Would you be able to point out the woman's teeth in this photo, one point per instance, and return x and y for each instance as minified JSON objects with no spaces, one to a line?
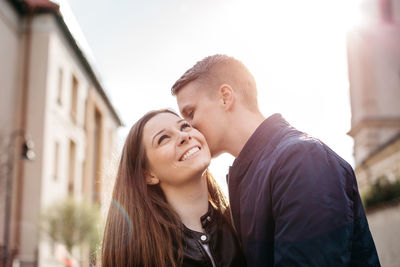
{"x":190,"y":153}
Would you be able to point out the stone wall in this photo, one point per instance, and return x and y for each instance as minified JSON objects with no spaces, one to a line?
{"x":384,"y":223}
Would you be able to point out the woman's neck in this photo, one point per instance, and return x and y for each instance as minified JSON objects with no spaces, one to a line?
{"x":190,"y":202}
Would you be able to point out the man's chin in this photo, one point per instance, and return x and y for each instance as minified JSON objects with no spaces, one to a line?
{"x":215,"y":154}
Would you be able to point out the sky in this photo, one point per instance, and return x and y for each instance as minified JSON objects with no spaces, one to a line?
{"x":296,"y":51}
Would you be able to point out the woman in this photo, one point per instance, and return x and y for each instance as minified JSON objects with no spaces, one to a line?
{"x":167,"y":210}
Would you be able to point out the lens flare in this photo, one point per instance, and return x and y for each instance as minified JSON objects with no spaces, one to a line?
{"x":126,"y":216}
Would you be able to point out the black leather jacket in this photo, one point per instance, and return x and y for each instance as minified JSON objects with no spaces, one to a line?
{"x":221,"y":240}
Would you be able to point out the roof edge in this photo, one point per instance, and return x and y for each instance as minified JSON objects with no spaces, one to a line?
{"x":25,"y":7}
{"x":379,"y":149}
{"x":87,"y":66}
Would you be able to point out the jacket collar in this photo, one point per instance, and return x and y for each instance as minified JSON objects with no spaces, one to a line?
{"x":207,"y":219}
{"x":260,"y":138}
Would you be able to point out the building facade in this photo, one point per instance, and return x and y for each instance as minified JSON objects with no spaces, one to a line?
{"x":374,"y":74}
{"x":50,"y":95}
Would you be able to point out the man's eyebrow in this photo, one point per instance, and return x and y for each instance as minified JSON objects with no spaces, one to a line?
{"x":184,"y":110}
{"x":152,"y":141}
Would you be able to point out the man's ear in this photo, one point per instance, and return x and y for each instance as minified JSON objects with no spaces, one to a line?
{"x":151,"y":179}
{"x":226,"y":96}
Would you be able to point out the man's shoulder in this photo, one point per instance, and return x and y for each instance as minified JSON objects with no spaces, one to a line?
{"x":295,"y":142}
{"x":298,"y":145}
{"x":282,"y":149}
{"x":306,"y":148}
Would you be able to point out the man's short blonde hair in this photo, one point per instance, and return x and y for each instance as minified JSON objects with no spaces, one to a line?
{"x":213,"y":71}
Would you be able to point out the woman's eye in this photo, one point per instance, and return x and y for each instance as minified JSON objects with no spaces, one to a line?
{"x":184,"y":126}
{"x":162,"y":138}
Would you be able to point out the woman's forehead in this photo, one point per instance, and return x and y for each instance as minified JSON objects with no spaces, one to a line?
{"x":164,"y":118}
{"x":161,"y":121}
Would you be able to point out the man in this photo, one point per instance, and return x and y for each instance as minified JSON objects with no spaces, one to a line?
{"x":294,"y":201}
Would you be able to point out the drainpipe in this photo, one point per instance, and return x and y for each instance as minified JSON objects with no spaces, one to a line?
{"x":19,"y":170}
{"x":7,"y":253}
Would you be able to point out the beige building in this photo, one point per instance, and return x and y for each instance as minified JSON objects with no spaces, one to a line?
{"x":374,"y":74}
{"x":50,"y":94}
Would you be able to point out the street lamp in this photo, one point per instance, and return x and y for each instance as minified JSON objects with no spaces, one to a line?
{"x":27,"y":150}
{"x":28,"y":154}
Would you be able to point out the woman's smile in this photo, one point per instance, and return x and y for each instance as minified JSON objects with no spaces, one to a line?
{"x":190,"y":153}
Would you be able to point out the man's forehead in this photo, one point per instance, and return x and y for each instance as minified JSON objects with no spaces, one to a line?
{"x":192,"y":88}
{"x":189,"y":94}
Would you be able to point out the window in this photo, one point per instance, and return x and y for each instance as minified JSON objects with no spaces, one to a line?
{"x":56,"y":161}
{"x":71,"y":169}
{"x":97,"y":155}
{"x":386,"y":10}
{"x":74,"y":99}
{"x":60,"y":86}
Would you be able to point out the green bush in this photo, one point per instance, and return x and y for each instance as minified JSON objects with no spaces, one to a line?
{"x":382,"y":191}
{"x":73,"y":224}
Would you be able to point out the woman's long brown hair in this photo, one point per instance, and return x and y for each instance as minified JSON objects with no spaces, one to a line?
{"x":141,"y":228}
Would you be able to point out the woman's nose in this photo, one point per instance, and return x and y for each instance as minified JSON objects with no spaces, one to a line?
{"x":184,"y":138}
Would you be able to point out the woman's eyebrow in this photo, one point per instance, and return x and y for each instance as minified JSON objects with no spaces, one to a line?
{"x":152,"y":141}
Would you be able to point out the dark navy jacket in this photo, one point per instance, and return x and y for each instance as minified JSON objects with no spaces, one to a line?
{"x":296,"y":203}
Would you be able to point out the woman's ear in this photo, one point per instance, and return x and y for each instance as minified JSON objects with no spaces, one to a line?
{"x":151,"y":179}
{"x":226,"y":96}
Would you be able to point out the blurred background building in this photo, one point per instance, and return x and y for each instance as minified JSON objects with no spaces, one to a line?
{"x":51,"y":97}
{"x":374,"y":74}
